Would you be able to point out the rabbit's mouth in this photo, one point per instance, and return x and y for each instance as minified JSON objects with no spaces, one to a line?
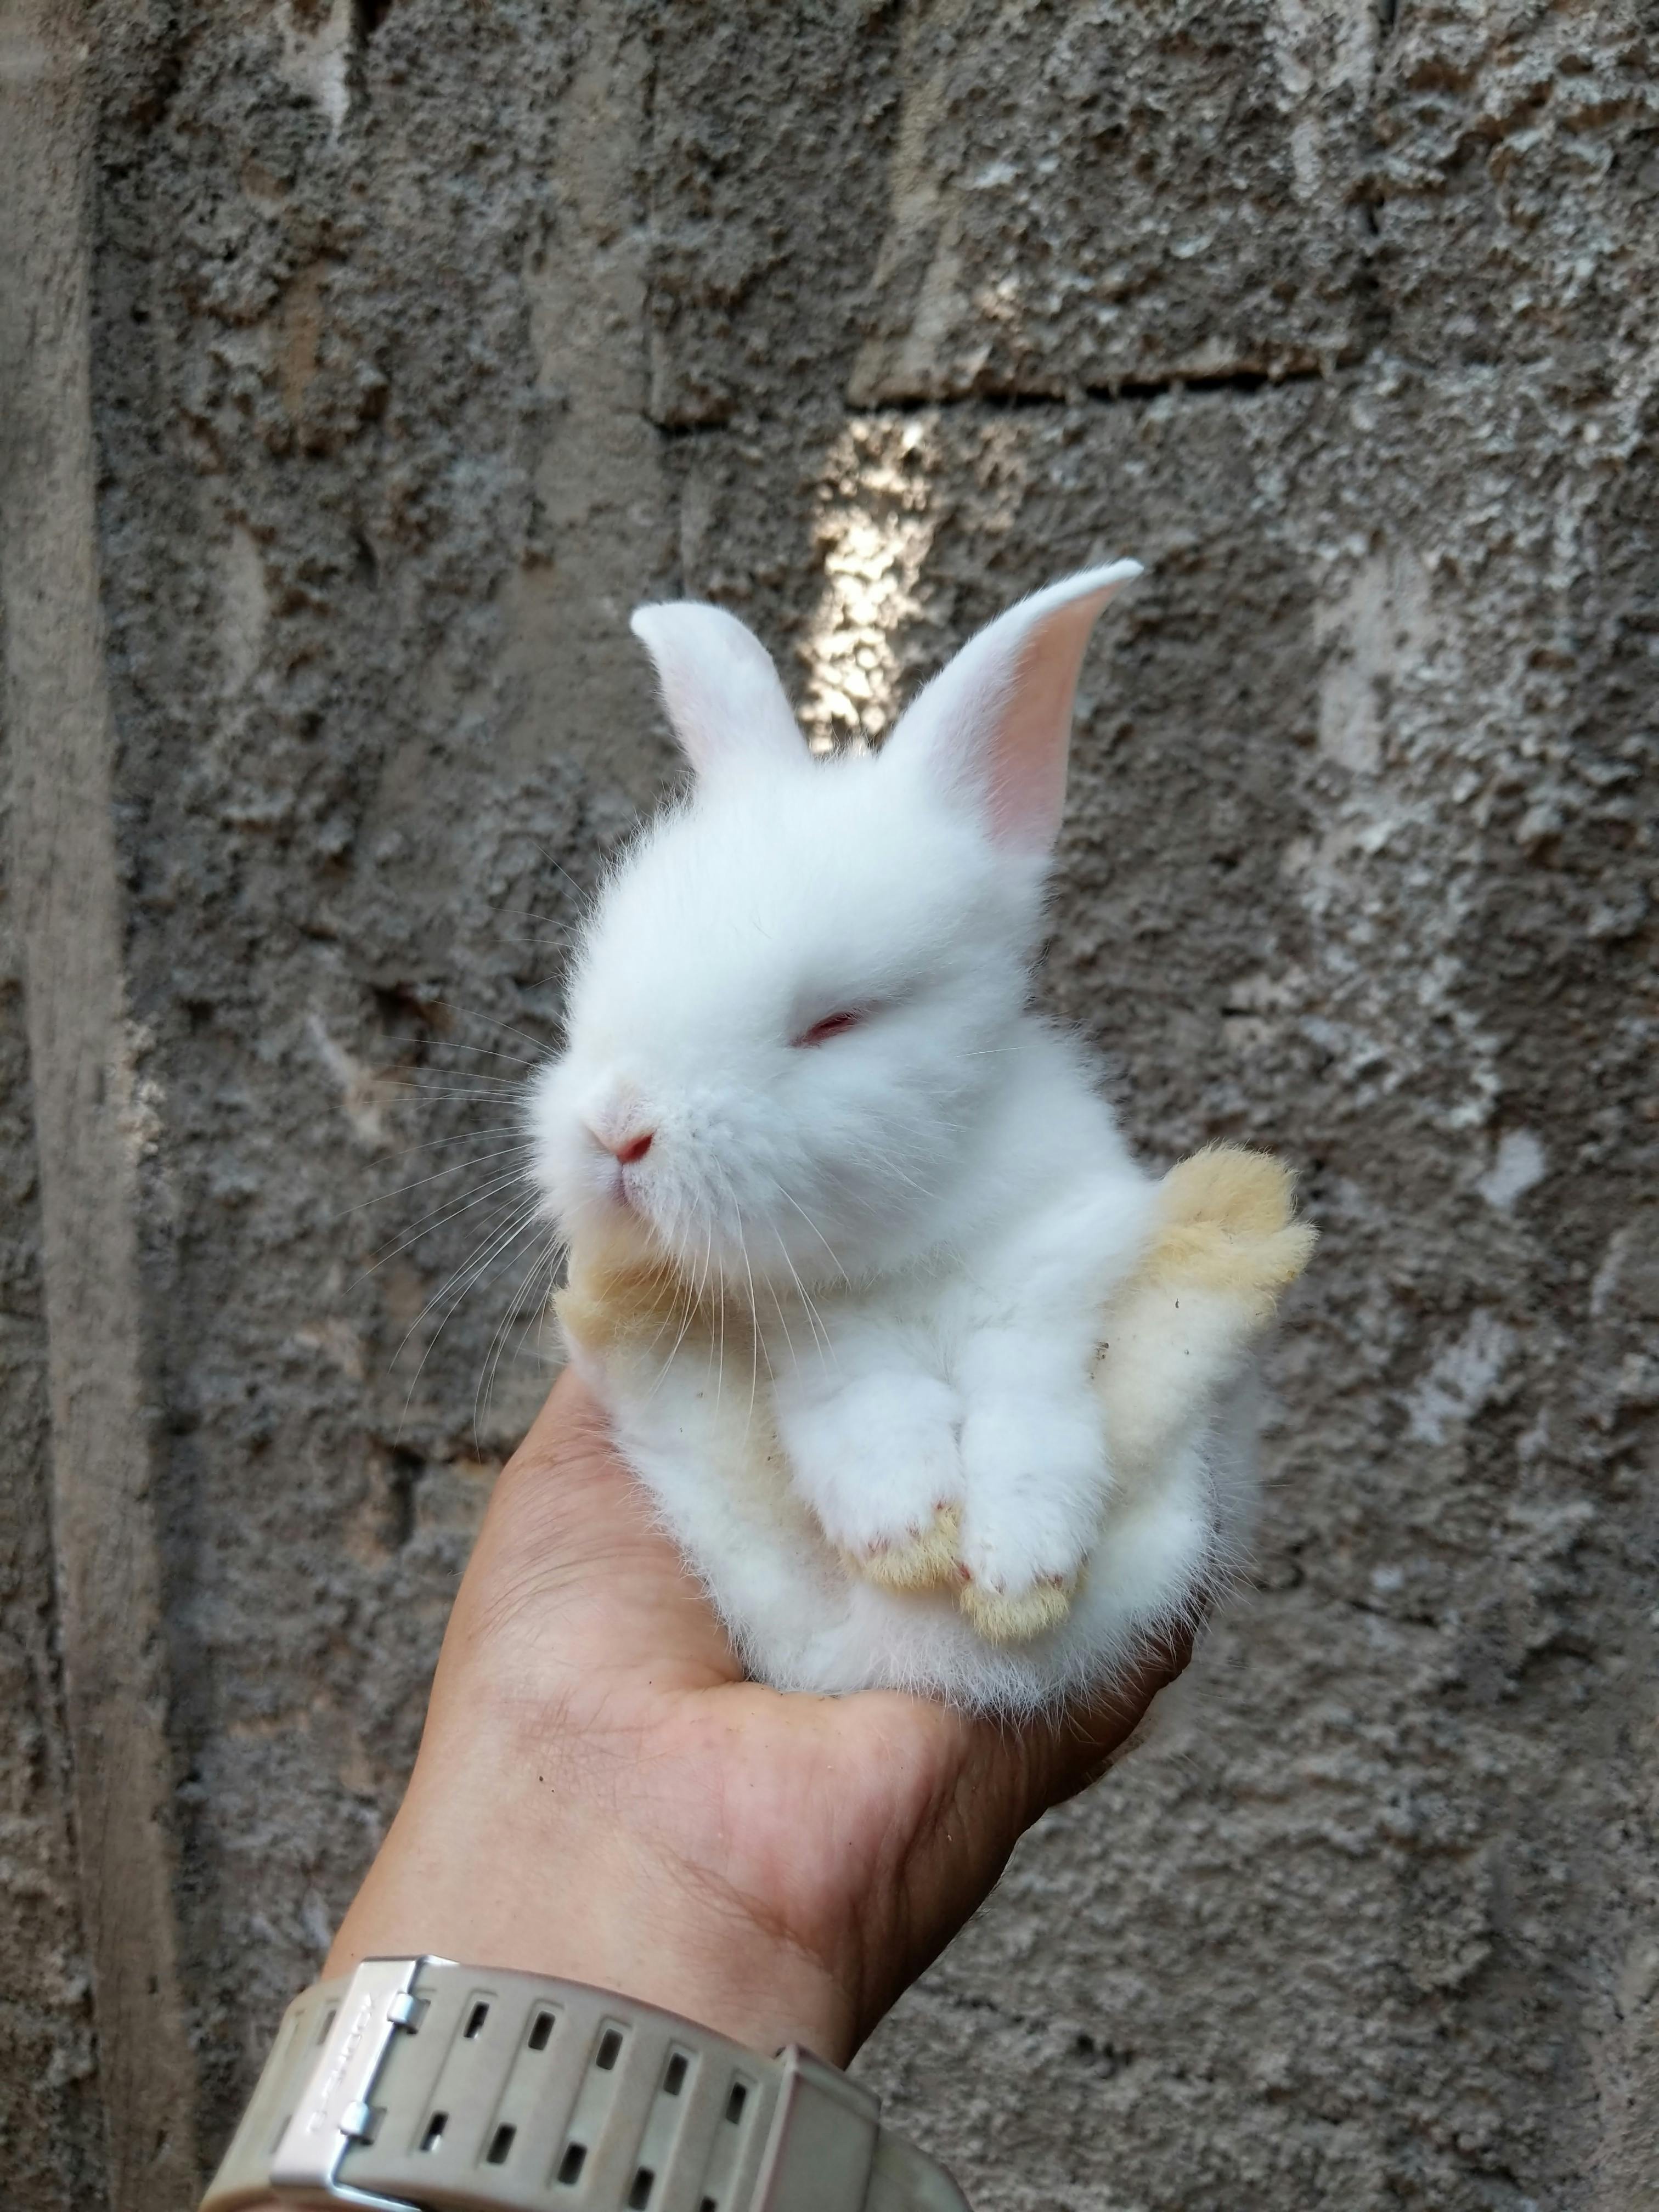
{"x":620,"y":1192}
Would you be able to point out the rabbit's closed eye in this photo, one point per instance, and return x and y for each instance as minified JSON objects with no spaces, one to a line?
{"x":832,"y":1025}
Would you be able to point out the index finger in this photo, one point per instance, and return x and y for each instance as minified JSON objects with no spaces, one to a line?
{"x":1063,"y":1754}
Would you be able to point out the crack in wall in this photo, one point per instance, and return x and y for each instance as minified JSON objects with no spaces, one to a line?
{"x":1123,"y":392}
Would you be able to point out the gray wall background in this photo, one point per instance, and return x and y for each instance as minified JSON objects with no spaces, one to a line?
{"x":363,"y":365}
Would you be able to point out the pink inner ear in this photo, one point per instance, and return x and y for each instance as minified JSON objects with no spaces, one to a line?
{"x":997,"y":719}
{"x":1031,"y":737}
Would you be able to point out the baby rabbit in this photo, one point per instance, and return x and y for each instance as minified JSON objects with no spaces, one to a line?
{"x":848,"y":1223}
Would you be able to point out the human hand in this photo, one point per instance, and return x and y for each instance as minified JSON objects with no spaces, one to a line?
{"x":600,"y":1795}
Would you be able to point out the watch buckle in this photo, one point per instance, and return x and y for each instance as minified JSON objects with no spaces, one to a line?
{"x":336,"y":2108}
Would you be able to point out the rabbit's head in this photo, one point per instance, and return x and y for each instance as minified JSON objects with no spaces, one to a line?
{"x":796,"y":1001}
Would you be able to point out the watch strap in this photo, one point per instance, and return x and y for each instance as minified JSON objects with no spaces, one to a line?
{"x":417,"y":2085}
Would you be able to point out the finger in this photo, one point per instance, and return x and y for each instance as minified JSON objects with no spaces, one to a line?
{"x":1020,"y":1772}
{"x":1070,"y":1754}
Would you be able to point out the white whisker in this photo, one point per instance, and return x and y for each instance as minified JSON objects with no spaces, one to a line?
{"x":465,"y":1137}
{"x":692,"y":1305}
{"x":455,"y":1167}
{"x":834,"y":1261}
{"x":436,"y":1219}
{"x":819,"y":1328}
{"x":487,"y":1051}
{"x":472,"y":1014}
{"x":454,"y":1082}
{"x":754,"y":1325}
{"x":508,"y":1213}
{"x":500,"y":1244}
{"x":585,"y":899}
{"x":496,"y":1345}
{"x":783,"y":1323}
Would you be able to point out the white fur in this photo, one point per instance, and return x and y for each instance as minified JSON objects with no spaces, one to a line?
{"x":803,"y":1620}
{"x":925,"y":1216}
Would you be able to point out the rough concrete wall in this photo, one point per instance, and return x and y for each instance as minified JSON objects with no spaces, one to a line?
{"x":50,"y":2130}
{"x":424,"y":339}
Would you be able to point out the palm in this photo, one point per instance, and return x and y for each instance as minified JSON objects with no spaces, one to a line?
{"x":856,"y":1833}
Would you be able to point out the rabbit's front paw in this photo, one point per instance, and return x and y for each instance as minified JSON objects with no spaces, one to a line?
{"x":1036,"y":1477}
{"x":929,"y":1561}
{"x":878,"y":1464}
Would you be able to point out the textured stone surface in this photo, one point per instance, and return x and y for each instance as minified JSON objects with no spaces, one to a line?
{"x":50,"y":2133}
{"x":426,"y":340}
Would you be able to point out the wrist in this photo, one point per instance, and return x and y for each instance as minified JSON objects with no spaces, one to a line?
{"x":422,"y":2081}
{"x":499,"y":1857}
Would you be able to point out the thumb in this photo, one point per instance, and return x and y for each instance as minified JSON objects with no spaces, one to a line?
{"x":572,"y":1574}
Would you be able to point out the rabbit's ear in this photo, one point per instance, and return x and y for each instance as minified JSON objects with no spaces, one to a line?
{"x":996,"y":721}
{"x":721,"y":692}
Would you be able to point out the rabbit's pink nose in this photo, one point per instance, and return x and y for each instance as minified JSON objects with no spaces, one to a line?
{"x":626,"y":1150}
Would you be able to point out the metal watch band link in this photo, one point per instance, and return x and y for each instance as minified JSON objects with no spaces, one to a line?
{"x":417,"y":2085}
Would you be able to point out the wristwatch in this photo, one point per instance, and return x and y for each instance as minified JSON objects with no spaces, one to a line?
{"x":417,"y":2085}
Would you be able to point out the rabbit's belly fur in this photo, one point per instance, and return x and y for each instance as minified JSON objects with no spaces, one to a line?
{"x":1170,"y":1373}
{"x":803,"y":1620}
{"x":703,"y":1430}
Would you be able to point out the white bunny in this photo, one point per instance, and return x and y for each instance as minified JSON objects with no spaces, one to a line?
{"x":849,"y":1224}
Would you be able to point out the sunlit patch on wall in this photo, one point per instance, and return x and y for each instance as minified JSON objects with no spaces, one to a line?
{"x":874,"y":533}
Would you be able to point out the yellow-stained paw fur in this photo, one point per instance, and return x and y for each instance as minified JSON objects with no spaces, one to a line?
{"x":1016,"y":1620}
{"x":1228,"y":1223}
{"x":926,"y":1562}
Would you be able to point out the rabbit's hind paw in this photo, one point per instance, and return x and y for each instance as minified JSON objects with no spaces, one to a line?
{"x":1229,"y":1224}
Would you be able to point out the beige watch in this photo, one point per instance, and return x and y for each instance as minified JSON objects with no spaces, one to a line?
{"x":414,"y":2085}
